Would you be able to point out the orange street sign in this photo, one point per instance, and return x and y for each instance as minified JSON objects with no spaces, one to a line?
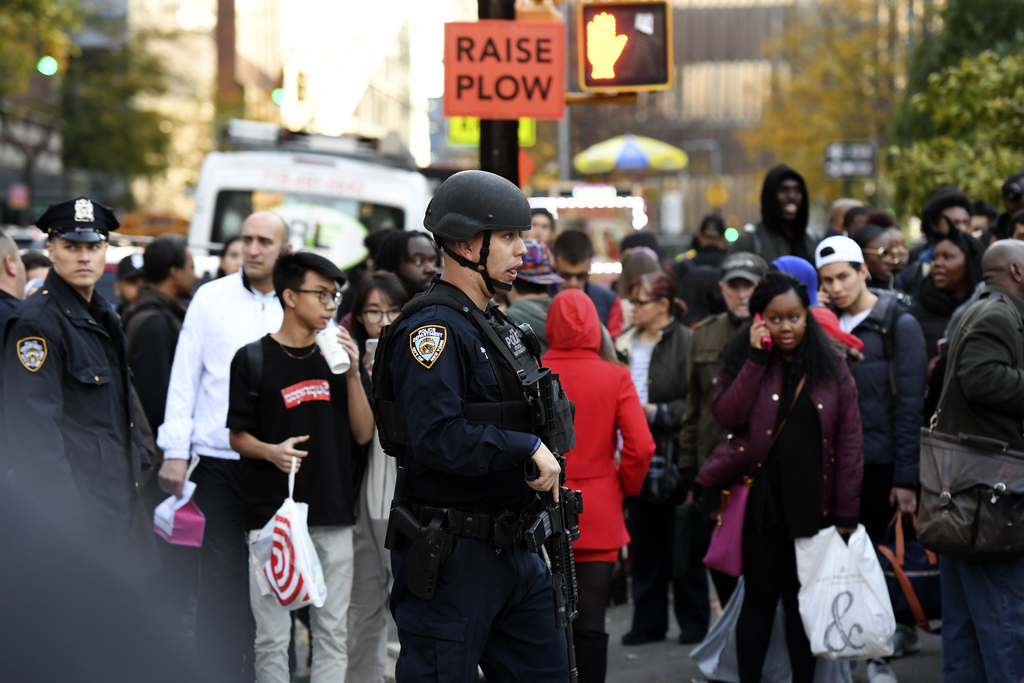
{"x":505,"y":70}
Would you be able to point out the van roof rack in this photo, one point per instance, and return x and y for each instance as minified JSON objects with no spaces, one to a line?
{"x":263,"y":136}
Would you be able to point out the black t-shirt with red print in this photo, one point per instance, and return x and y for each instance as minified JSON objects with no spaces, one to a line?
{"x":298,"y":395}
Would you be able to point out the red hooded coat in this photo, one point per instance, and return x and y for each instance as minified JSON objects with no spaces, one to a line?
{"x":606,"y":403}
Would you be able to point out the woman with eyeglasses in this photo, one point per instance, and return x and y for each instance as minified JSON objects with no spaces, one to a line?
{"x":656,"y":348}
{"x":879,"y":254}
{"x":378,"y":300}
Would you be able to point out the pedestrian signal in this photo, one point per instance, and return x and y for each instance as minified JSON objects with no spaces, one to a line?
{"x":625,"y":46}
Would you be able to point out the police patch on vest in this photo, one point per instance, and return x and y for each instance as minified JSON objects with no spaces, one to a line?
{"x":32,"y":352}
{"x":427,"y":343}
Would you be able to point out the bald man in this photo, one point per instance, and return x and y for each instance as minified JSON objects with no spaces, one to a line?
{"x":12,"y":277}
{"x":836,"y":212}
{"x":225,"y":315}
{"x":985,"y":397}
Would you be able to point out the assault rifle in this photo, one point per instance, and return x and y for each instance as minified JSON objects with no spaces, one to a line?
{"x":555,"y":525}
{"x":554,"y":529}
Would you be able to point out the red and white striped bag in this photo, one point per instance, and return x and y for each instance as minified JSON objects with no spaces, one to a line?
{"x":286,"y":561}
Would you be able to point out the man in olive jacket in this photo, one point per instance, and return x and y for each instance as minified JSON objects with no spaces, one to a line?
{"x":983,"y":602}
{"x":700,"y":433}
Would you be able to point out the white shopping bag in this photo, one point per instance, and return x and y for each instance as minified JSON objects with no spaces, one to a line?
{"x":716,"y":656}
{"x":844,"y":601}
{"x":285,"y":556}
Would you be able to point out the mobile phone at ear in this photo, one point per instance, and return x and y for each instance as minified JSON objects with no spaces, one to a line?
{"x":766,"y":341}
{"x":371,"y":348}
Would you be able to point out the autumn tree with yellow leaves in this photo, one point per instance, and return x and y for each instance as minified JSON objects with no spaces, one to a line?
{"x":839,"y":75}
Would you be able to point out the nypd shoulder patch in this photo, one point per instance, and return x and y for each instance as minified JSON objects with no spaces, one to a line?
{"x":427,"y":343}
{"x":32,"y":352}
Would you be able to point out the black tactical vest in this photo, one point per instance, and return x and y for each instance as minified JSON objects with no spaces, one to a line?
{"x":507,"y":350}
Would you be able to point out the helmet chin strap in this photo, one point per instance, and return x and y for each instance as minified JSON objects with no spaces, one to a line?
{"x":481,"y":266}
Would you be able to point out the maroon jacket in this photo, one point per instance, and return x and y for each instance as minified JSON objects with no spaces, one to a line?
{"x":748,"y":409}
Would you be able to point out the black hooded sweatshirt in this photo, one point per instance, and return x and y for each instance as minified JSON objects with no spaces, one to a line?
{"x":769,"y":238}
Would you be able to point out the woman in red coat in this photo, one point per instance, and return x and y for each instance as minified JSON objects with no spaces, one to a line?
{"x":606,"y":405}
{"x":792,"y":411}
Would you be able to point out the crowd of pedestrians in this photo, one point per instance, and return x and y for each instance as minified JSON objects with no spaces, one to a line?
{"x":805,"y":369}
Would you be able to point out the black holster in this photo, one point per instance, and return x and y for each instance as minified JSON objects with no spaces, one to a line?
{"x":429,"y":546}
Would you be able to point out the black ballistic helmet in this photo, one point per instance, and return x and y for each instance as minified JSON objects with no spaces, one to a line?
{"x":471,"y":202}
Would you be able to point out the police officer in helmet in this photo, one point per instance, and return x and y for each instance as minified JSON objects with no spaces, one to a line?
{"x":67,"y":409}
{"x":448,"y":377}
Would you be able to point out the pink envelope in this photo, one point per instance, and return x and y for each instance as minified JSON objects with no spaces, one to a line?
{"x":189,"y":524}
{"x":179,"y":520}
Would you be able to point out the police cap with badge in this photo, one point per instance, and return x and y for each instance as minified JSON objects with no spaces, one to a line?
{"x":78,"y":220}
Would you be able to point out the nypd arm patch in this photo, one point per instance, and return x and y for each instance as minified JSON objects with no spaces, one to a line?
{"x":427,"y":343}
{"x":32,"y":352}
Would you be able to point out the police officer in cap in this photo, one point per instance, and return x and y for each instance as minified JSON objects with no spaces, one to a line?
{"x":66,"y":395}
{"x":448,"y":387}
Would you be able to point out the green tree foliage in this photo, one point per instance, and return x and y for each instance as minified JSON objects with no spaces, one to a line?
{"x":105,"y":128}
{"x":976,"y":110}
{"x":840,"y":86}
{"x":969,"y":27}
{"x":30,"y":29}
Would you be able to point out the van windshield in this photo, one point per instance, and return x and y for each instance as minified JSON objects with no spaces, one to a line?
{"x":317,"y":221}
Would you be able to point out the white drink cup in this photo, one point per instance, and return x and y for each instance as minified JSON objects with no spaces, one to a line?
{"x":335,"y":354}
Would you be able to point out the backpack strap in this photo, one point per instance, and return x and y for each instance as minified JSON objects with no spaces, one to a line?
{"x":893,"y":313}
{"x":135,"y":324}
{"x":254,"y":356}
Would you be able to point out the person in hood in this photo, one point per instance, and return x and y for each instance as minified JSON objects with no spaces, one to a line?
{"x":529,"y":296}
{"x":784,"y":213}
{"x":606,"y":404}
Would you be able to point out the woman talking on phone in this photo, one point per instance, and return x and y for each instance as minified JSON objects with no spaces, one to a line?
{"x":790,"y":405}
{"x":378,"y":300}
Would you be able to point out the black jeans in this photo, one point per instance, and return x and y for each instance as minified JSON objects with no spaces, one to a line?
{"x":588,"y":634}
{"x":651,"y":531}
{"x":225,"y":628}
{"x":769,"y":572}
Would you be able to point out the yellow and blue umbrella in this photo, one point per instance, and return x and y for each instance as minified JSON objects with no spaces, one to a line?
{"x":630,"y":153}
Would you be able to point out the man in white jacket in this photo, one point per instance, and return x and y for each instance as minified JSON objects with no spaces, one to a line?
{"x":225,"y":315}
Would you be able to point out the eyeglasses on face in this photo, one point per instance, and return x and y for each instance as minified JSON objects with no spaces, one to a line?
{"x":573,"y":276}
{"x":323,"y":295}
{"x":640,"y":302}
{"x":374,"y":316}
{"x":892,"y":254}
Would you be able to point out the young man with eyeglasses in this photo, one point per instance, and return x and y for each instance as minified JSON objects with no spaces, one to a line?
{"x":890,"y":387}
{"x":297,"y":408}
{"x":573,"y":252}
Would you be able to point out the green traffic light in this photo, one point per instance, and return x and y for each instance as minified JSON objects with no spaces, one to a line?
{"x":277,"y":96}
{"x":731,"y":234}
{"x":47,"y":66}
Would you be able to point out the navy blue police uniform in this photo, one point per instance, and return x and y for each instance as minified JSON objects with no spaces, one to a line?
{"x":452,"y":403}
{"x":492,"y":606}
{"x":66,"y":392}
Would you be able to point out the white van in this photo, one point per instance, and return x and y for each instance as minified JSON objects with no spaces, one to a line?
{"x":331,"y":191}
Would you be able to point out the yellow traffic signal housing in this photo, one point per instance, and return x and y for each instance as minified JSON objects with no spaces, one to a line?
{"x":625,"y":46}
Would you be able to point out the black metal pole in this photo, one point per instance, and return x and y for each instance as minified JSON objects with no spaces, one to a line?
{"x":499,"y":140}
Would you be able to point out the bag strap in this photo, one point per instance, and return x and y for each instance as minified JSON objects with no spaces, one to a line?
{"x":897,"y":519}
{"x":291,"y":479}
{"x":799,"y":388}
{"x":908,"y":589}
{"x":962,"y":331}
{"x":254,"y":353}
{"x":749,"y":481}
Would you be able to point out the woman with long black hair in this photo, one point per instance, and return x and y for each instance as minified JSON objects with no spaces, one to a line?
{"x":791,"y":409}
{"x":378,"y":300}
